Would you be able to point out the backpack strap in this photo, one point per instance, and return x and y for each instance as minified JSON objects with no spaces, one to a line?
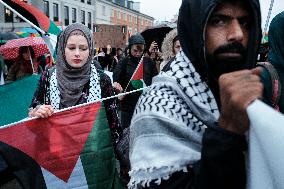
{"x":275,"y":81}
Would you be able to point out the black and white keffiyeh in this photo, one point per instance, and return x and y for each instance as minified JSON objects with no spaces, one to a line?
{"x":168,"y":124}
{"x":94,"y":91}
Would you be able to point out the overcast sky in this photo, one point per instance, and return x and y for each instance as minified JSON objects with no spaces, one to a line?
{"x":165,"y":9}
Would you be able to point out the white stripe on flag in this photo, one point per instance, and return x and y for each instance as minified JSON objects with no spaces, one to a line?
{"x":77,"y":179}
{"x":50,"y":41}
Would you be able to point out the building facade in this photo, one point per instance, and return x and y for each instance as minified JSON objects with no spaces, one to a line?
{"x":88,"y":12}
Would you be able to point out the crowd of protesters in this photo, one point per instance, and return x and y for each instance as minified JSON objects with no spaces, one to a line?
{"x":187,"y":129}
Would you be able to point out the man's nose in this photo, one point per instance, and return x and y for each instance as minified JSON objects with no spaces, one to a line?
{"x":137,"y":53}
{"x":235,"y":32}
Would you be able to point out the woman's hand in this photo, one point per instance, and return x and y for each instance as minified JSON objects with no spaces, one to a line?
{"x":42,"y":111}
{"x":118,"y":88}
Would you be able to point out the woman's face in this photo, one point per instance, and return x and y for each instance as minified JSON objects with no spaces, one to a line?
{"x":77,"y":51}
{"x":26,"y":54}
{"x":177,"y":47}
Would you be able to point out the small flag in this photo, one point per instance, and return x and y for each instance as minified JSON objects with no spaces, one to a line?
{"x":137,"y":78}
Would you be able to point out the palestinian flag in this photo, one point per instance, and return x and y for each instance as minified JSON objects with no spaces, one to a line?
{"x":70,"y":149}
{"x":38,"y":18}
{"x":137,"y":77}
{"x":34,"y":15}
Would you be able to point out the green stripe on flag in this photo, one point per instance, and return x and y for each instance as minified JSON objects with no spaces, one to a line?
{"x":98,"y":155}
{"x":53,"y":28}
{"x":15,"y":99}
{"x":137,"y":84}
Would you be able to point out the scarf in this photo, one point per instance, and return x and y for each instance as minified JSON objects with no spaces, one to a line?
{"x":71,"y":81}
{"x":168,"y":123}
{"x":94,"y":89}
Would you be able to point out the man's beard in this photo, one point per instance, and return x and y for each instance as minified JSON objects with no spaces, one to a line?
{"x":135,"y":59}
{"x":219,"y":65}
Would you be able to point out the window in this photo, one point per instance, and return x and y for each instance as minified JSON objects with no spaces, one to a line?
{"x":8,"y":15}
{"x":89,"y":20}
{"x":83,"y":17}
{"x":55,"y":12}
{"x":46,"y":8}
{"x":74,"y":15}
{"x":112,"y":13}
{"x":89,"y":2}
{"x":104,"y":10}
{"x":83,"y":1}
{"x":66,"y":15}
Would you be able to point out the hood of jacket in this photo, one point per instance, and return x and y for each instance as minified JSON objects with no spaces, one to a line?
{"x":193,"y":16}
{"x":167,"y":45}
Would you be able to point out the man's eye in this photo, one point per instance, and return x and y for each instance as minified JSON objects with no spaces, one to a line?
{"x":217,"y":21}
{"x":245,"y":23}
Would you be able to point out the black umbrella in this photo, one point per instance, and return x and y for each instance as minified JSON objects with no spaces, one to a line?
{"x":5,"y":36}
{"x":157,"y":34}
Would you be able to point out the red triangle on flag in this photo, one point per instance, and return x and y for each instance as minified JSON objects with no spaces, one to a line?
{"x":54,"y":143}
{"x":139,"y":72}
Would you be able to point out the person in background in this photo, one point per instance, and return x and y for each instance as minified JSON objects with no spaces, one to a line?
{"x":188,"y":130}
{"x":110,"y":58}
{"x":276,"y":59}
{"x":121,"y":77}
{"x":170,"y":47}
{"x":119,"y":54}
{"x":123,"y":73}
{"x":25,"y":65}
{"x":155,"y":54}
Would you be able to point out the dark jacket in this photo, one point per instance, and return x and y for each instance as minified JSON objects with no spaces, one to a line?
{"x":276,"y":58}
{"x":222,"y":163}
{"x":123,"y":73}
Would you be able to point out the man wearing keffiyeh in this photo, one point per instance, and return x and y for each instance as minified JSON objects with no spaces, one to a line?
{"x":188,"y":127}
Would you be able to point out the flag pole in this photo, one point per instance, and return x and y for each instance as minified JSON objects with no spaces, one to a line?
{"x":31,"y":61}
{"x":22,"y":17}
{"x":77,"y":106}
{"x":267,"y":20}
{"x":140,"y":62}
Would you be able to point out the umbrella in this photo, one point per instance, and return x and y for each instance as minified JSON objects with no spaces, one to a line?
{"x":11,"y":49}
{"x":157,"y":33}
{"x":5,"y":36}
{"x":27,"y":32}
